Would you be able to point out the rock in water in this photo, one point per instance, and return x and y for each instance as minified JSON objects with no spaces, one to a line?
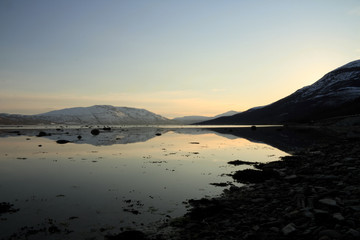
{"x":254,"y":176}
{"x":240,"y":162}
{"x":42,"y":134}
{"x":62,"y":141}
{"x":6,"y":207}
{"x":95,"y":132}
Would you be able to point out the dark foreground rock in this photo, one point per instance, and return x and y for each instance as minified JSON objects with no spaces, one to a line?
{"x":255,"y":176}
{"x":240,"y":162}
{"x":6,"y":207}
{"x":314,"y":194}
{"x":61,"y":141}
{"x":95,"y":132}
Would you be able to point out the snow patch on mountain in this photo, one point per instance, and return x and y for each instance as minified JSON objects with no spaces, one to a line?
{"x":104,"y":114}
{"x":352,"y":64}
{"x":334,"y":84}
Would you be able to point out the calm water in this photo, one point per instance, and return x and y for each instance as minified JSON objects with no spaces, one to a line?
{"x":126,"y":177}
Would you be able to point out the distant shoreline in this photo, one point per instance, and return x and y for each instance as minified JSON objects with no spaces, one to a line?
{"x":69,"y":126}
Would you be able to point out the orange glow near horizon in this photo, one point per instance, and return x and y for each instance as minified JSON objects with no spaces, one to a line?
{"x":175,"y":58}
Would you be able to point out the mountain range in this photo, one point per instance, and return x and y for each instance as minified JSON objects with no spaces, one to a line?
{"x":195,"y":119}
{"x":101,"y":115}
{"x":98,"y":114}
{"x":335,"y":94}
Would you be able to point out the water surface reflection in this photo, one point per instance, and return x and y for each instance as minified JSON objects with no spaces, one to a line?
{"x":124,"y":177}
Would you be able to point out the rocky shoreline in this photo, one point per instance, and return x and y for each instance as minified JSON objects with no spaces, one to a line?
{"x":313,"y":194}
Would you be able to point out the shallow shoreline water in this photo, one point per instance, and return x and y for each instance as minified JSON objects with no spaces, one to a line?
{"x":315,"y":195}
{"x":66,"y":183}
{"x":278,"y":208}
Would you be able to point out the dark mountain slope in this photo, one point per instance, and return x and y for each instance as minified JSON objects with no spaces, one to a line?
{"x":335,"y":94}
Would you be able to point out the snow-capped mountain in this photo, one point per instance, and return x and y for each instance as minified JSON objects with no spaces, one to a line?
{"x":335,"y":94}
{"x":195,"y":119}
{"x":342,"y":84}
{"x":99,"y":114}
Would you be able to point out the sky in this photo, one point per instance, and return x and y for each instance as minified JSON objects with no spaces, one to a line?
{"x":174,"y":58}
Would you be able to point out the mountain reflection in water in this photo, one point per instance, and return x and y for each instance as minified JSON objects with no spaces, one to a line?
{"x":123,"y":177}
{"x":285,"y":139}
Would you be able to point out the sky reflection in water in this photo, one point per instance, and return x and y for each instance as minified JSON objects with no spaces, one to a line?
{"x":120,"y":185}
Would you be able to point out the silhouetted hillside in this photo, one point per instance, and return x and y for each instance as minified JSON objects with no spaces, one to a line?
{"x":335,"y":94}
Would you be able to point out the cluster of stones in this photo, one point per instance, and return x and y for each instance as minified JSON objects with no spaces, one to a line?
{"x":314,"y":194}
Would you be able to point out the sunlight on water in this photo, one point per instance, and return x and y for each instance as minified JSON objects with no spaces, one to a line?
{"x":117,"y":179}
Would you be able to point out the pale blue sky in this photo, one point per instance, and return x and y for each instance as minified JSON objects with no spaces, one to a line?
{"x":174,"y":58}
